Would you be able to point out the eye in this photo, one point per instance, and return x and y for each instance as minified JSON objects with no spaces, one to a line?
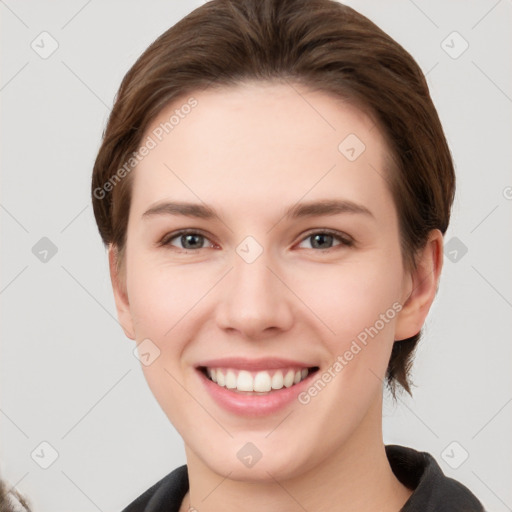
{"x":186,"y":240}
{"x":324,"y":239}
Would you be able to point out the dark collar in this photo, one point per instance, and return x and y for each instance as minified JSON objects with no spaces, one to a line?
{"x":433,"y":491}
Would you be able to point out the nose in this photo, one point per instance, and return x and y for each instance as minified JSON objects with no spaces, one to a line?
{"x":255,"y":300}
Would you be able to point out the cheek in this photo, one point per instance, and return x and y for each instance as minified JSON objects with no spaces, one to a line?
{"x":162,"y":304}
{"x":162,"y":296}
{"x":351,"y":298}
{"x":360,"y":306}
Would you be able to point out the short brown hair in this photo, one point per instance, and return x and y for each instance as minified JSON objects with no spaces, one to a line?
{"x":322,"y":44}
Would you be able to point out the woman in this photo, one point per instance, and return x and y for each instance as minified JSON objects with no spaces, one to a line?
{"x":273,"y":187}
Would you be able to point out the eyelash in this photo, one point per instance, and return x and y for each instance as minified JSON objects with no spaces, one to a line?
{"x":345,"y":240}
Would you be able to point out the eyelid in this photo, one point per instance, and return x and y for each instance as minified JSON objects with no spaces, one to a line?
{"x":334,"y":232}
{"x":343,"y":238}
{"x":165,"y":241}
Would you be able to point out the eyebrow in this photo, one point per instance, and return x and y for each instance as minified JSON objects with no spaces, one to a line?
{"x":299,"y":210}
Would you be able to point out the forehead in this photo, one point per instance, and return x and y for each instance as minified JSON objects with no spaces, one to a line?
{"x":260,"y":143}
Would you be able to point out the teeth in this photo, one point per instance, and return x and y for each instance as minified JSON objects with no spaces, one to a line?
{"x":244,"y":382}
{"x":261,"y":382}
{"x":231,"y":379}
{"x":277,"y":380}
{"x":288,"y":379}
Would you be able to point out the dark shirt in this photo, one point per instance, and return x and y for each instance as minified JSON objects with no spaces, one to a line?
{"x":433,"y":491}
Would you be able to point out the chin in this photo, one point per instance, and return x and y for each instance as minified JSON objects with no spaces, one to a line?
{"x":258,"y":460}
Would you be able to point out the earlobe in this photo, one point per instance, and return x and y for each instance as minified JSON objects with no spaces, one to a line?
{"x":421,"y":287}
{"x":120,"y":294}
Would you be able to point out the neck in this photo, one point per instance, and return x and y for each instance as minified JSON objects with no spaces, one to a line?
{"x":357,"y":477}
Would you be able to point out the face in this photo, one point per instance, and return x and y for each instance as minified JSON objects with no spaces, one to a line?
{"x":288,"y":278}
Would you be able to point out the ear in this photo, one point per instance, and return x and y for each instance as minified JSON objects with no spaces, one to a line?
{"x":420,"y":287}
{"x":120,"y":294}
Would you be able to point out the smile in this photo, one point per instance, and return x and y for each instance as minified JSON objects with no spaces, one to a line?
{"x":254,"y":387}
{"x":263,"y":381}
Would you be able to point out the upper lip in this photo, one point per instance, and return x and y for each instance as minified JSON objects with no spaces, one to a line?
{"x":265,"y":363}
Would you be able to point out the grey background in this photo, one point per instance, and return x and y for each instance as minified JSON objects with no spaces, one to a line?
{"x":68,"y":375}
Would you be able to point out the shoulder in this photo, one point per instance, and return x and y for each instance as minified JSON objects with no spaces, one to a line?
{"x":433,"y":490}
{"x":166,"y":495}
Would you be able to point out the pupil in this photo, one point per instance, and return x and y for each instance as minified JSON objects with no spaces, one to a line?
{"x":185,"y":239}
{"x":322,"y":238}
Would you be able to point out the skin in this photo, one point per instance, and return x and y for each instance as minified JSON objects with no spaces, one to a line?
{"x":250,"y":151}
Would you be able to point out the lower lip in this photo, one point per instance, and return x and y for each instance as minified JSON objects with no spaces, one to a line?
{"x":253,"y":405}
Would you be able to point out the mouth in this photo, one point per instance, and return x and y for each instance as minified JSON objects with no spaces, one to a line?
{"x":254,"y":387}
{"x":260,"y":382}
